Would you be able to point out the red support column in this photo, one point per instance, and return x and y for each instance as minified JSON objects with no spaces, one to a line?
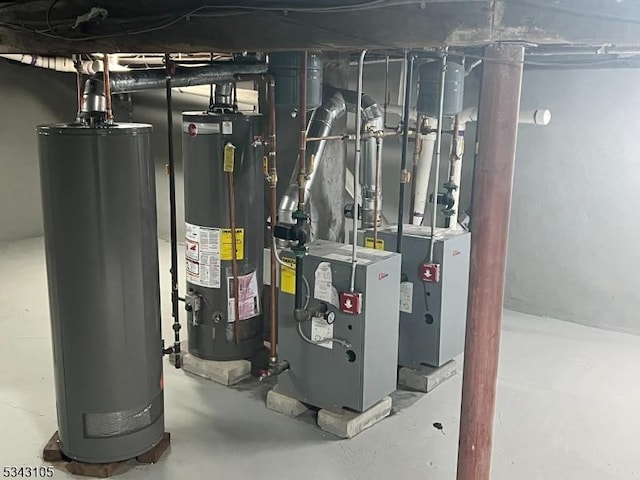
{"x":491,"y":206}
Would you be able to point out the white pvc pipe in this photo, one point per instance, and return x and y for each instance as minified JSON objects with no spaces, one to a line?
{"x":540,"y":116}
{"x":423,"y":173}
{"x":63,"y":64}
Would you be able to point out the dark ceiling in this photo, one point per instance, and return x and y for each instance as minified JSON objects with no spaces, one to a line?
{"x":71,"y":26}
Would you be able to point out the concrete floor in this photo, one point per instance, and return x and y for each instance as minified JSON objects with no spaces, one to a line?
{"x":568,"y":407}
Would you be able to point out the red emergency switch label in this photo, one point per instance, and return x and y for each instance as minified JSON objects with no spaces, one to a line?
{"x":430,"y":272}
{"x":351,"y":303}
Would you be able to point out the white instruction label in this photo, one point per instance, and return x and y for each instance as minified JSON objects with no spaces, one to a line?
{"x":227,"y":128}
{"x":202,"y":254}
{"x":321,"y":330}
{"x":248,"y":297}
{"x":323,"y":288}
{"x":406,"y":297}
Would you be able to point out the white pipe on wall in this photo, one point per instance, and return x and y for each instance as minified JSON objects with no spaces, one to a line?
{"x":423,"y":172}
{"x":63,"y":64}
{"x":539,"y":116}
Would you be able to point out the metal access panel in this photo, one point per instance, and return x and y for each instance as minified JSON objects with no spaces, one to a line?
{"x":432,"y":314}
{"x":329,"y":375}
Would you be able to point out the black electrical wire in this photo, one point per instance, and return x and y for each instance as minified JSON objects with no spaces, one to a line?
{"x":228,"y":11}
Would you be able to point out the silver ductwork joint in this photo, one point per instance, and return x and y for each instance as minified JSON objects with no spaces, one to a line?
{"x":373,"y":122}
{"x":224,"y":94}
{"x":93,"y":108}
{"x":320,"y":125}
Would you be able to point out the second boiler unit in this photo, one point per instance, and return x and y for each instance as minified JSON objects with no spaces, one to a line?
{"x":223,"y":192}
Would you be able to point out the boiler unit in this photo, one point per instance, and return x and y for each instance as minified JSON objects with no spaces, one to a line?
{"x":99,"y":208}
{"x":223,"y":189}
{"x":433,"y":295}
{"x":339,"y":359}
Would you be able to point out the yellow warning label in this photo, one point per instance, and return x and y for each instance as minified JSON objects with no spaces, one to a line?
{"x":226,"y":241}
{"x":368,"y":242}
{"x":288,"y":276}
{"x":229,"y":157}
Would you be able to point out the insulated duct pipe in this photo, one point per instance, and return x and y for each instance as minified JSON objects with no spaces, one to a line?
{"x":320,"y":125}
{"x":132,"y":81}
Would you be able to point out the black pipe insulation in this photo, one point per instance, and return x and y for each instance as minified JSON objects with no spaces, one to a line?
{"x":148,"y":79}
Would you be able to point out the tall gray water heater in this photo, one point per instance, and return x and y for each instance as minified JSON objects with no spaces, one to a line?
{"x":98,"y":191}
{"x":222,"y":150}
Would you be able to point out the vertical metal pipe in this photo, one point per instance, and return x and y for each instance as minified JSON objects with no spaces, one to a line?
{"x":386,"y":90}
{"x":356,"y":170}
{"x":405,"y":148}
{"x":302,"y":121}
{"x":79,"y":86}
{"x":434,"y":207}
{"x":491,"y":204}
{"x":376,"y":200}
{"x":173,"y":217}
{"x":273,"y":184}
{"x":107,"y":87}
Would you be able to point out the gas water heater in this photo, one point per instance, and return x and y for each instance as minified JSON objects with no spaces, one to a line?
{"x":224,"y":204}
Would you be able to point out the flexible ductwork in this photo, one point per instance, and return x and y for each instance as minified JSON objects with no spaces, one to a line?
{"x":135,"y":80}
{"x":320,"y":125}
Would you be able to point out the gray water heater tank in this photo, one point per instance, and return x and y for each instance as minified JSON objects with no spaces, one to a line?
{"x":285,"y":67}
{"x":208,"y":139}
{"x":99,"y":208}
{"x":429,"y":89}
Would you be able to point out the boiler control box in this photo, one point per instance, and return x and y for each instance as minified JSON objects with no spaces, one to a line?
{"x":433,"y":294}
{"x":358,"y":367}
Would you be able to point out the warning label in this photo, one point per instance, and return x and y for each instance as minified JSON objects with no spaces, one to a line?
{"x":406,"y":297}
{"x":288,"y":276}
{"x":368,"y":242}
{"x":226,"y":253}
{"x":321,"y":330}
{"x":202,"y":254}
{"x":248,"y":297}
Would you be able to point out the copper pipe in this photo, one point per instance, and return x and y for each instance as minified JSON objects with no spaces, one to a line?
{"x":234,"y":259}
{"x":273,"y":184}
{"x":107,"y":87}
{"x":491,"y":204}
{"x":416,"y":160}
{"x":302,"y":117}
